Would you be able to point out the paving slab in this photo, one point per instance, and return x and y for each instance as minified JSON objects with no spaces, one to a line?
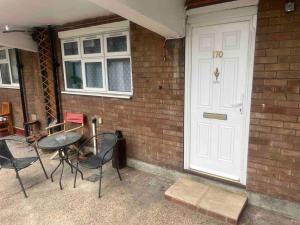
{"x":210,"y":200}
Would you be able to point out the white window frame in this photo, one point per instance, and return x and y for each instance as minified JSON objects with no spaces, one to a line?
{"x":117,"y":34}
{"x":69,"y":41}
{"x":92,"y":37}
{"x":102,"y":34}
{"x":7,"y":61}
{"x":65,"y":75}
{"x":117,"y":57}
{"x":83,"y":62}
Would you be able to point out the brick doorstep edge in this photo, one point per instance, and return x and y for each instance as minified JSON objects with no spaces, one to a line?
{"x":203,"y":211}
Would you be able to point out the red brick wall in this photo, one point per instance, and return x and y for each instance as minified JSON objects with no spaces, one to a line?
{"x":152,"y":121}
{"x":33,"y":90}
{"x":274,"y":151}
{"x":33,"y":86}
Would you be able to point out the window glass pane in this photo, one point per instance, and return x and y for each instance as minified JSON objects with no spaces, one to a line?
{"x":91,"y":46}
{"x":2,"y":54}
{"x":4,"y":69}
{"x":119,"y":75}
{"x":13,"y":65}
{"x":73,"y":74}
{"x":93,"y":74}
{"x":71,"y":48}
{"x":116,"y":44}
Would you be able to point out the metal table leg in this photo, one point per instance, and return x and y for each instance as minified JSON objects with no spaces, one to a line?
{"x":61,"y":174}
{"x":60,"y":161}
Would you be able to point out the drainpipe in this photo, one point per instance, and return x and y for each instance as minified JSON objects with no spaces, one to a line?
{"x":55,"y":76}
{"x":94,"y":129}
{"x":22,"y":91}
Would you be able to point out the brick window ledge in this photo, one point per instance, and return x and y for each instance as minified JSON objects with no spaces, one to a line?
{"x":109,"y":95}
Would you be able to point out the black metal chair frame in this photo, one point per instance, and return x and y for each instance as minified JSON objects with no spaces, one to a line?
{"x":12,"y":160}
{"x":103,"y":160}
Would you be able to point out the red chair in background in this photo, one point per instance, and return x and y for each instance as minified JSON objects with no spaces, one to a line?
{"x":72,"y":122}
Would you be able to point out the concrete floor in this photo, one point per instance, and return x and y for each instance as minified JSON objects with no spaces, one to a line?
{"x":138,"y":199}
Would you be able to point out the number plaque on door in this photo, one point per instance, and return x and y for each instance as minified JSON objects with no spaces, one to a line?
{"x":218,"y":54}
{"x":215,"y":116}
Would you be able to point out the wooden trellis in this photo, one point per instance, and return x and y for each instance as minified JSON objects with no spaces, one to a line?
{"x":43,"y":39}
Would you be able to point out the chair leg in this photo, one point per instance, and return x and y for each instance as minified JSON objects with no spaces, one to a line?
{"x":20,"y":181}
{"x":46,"y":175}
{"x":39,"y":158}
{"x":71,"y":166}
{"x":74,"y":186}
{"x":117,"y":167}
{"x":100,"y":179}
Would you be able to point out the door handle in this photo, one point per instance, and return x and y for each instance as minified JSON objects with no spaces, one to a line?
{"x":239,"y":105}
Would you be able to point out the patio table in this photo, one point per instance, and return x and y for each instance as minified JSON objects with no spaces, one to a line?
{"x":60,"y":142}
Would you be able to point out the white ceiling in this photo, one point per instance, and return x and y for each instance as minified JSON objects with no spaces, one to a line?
{"x":165,"y":17}
{"x":31,"y":13}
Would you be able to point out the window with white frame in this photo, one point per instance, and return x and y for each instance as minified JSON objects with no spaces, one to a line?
{"x":98,"y":63}
{"x":9,"y":76}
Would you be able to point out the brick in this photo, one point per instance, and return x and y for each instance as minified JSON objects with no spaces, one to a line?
{"x":275,"y":82}
{"x":295,"y":66}
{"x":260,"y":52}
{"x":292,"y":125}
{"x":271,"y":123}
{"x":276,"y":130}
{"x":290,"y":43}
{"x":260,"y":60}
{"x":278,"y":52}
{"x":281,"y":117}
{"x":263,"y":74}
{"x":277,"y":67}
{"x":288,"y":74}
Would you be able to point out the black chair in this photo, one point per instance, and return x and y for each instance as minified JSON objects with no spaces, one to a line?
{"x":106,"y":143}
{"x":8,"y":161}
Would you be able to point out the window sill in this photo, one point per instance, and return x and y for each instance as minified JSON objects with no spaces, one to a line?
{"x":109,"y":95}
{"x":9,"y":87}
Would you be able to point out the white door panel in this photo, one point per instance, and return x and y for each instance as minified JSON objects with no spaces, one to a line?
{"x":216,"y":142}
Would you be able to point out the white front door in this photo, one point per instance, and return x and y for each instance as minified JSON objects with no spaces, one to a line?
{"x":218,"y":90}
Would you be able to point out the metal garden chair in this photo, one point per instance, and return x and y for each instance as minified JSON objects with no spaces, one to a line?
{"x":8,"y":161}
{"x":105,"y":145}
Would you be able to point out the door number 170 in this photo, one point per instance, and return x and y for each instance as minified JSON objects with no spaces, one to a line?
{"x":218,"y":54}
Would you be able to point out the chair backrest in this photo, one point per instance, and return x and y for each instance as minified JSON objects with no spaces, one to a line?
{"x":5,"y":108}
{"x":74,"y":118}
{"x":107,"y":145}
{"x":4,"y":151}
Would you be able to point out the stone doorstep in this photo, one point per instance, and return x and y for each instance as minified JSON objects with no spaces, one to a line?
{"x":209,"y":200}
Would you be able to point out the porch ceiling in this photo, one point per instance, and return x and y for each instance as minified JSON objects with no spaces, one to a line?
{"x":44,"y":12}
{"x":31,"y":13}
{"x":166,"y":18}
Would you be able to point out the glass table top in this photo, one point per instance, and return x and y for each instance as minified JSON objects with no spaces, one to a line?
{"x":58,"y":141}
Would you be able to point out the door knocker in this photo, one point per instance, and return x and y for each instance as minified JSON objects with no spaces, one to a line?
{"x":217,"y":74}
